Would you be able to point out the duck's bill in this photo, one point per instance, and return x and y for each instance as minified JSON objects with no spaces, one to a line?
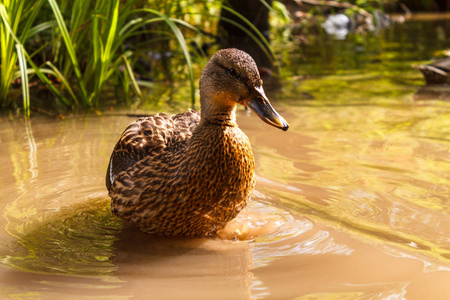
{"x":259,"y":103}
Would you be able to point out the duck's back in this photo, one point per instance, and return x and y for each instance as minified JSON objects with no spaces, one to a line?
{"x":149,"y":136}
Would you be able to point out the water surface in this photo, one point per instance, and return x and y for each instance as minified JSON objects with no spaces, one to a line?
{"x":351,"y":203}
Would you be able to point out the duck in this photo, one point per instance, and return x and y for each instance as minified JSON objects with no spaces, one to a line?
{"x":437,"y":72}
{"x":191,"y":173}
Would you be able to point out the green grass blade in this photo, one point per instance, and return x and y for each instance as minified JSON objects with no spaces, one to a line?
{"x":41,"y":27}
{"x":146,"y":84}
{"x":34,"y":10}
{"x":7,"y":56}
{"x":179,"y":36}
{"x":261,"y":41}
{"x":130,"y":73}
{"x":64,"y":81}
{"x":186,"y":24}
{"x":268,"y":7}
{"x":38,"y":72}
{"x":70,"y":50}
{"x":95,"y":41}
{"x":16,"y":15}
{"x":107,"y":53}
{"x":126,"y":88}
{"x":133,"y":23}
{"x":106,"y":57}
{"x":24,"y":80}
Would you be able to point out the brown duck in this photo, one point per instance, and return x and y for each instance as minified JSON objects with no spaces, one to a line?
{"x":191,"y":173}
{"x":437,"y":72}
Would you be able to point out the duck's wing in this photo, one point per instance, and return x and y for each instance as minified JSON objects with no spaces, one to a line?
{"x":437,"y":72}
{"x":148,"y":137}
{"x":434,"y":75}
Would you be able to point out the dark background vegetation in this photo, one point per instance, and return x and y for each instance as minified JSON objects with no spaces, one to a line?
{"x":82,"y":55}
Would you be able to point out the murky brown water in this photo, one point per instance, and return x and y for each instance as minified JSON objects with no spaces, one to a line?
{"x":351,"y":203}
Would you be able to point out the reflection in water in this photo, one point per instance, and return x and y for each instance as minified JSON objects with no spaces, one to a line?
{"x":329,"y":206}
{"x":351,"y":202}
{"x":32,"y":146}
{"x":441,"y":92}
{"x":183,"y":268}
{"x":76,"y":239}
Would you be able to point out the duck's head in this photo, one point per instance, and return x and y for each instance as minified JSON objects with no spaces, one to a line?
{"x":231,"y":77}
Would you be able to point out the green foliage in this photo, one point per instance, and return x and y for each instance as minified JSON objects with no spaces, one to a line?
{"x":17,"y":16}
{"x":369,"y":5}
{"x":77,"y":51}
{"x":252,"y":32}
{"x":24,"y":78}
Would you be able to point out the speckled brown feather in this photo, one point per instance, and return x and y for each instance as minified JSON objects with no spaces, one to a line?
{"x":149,"y":136}
{"x":188,"y":174}
{"x":194,"y":190}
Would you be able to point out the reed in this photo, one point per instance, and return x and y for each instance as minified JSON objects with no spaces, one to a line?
{"x":17,"y":17}
{"x":88,"y":46}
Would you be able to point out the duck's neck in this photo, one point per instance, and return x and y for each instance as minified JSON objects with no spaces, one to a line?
{"x":221,"y":113}
{"x":220,"y":118}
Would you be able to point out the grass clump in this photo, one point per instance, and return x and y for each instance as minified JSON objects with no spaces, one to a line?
{"x":77,"y":50}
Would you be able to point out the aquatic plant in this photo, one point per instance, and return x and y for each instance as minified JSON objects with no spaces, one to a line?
{"x":78,"y":50}
{"x":86,"y":51}
{"x":17,"y":17}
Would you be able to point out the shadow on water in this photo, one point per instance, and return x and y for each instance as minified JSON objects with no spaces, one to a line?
{"x":83,"y":249}
{"x":77,"y":239}
{"x":430,"y":92}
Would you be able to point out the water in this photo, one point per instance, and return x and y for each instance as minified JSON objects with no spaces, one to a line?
{"x":351,"y":203}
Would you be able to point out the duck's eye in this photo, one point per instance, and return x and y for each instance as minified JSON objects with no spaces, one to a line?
{"x":232,"y":72}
